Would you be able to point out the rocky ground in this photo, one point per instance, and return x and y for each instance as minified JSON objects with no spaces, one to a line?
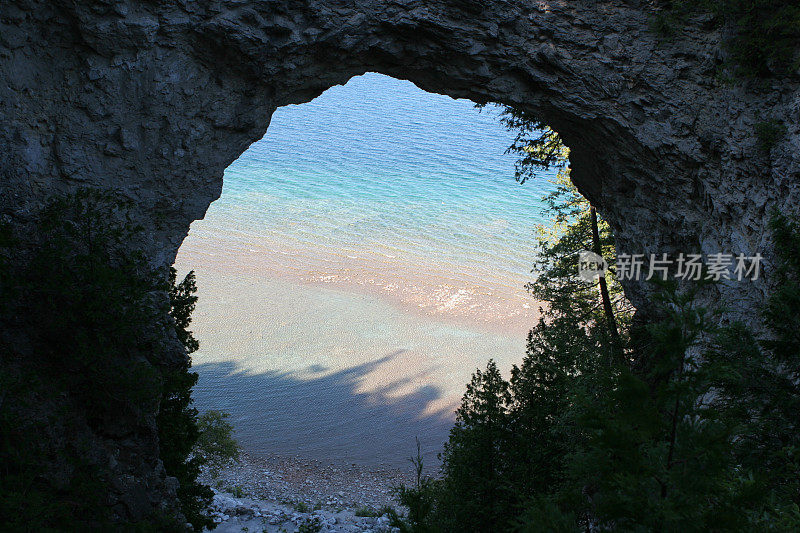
{"x":288,"y":494}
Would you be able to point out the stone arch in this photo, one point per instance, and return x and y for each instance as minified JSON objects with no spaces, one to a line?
{"x":156,"y":99}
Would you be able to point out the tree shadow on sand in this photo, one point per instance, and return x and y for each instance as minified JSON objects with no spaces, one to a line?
{"x":325,"y":416}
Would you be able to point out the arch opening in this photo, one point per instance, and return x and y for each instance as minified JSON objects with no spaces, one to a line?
{"x":364,"y":258}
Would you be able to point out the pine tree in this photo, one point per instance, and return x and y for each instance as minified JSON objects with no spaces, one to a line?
{"x":473,"y":462}
{"x":177,"y":418}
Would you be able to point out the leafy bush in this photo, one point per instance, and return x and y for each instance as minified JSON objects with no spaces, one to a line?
{"x":372,"y":512}
{"x":419,"y":499}
{"x":310,"y":525}
{"x":237,"y":491}
{"x":216,"y":442}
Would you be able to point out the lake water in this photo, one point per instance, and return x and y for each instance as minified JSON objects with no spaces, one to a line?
{"x":365,"y":257}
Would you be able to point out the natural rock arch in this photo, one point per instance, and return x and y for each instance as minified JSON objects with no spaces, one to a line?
{"x":156,"y":99}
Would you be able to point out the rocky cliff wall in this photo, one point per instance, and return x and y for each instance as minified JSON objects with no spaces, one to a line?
{"x":155,"y":99}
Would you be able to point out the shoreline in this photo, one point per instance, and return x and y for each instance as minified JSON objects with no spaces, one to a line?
{"x":431,"y":291}
{"x":365,"y":368}
{"x":274,"y":492}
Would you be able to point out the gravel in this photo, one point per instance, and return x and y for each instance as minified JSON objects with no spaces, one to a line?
{"x":286,"y":494}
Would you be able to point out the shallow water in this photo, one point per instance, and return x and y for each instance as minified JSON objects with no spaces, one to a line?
{"x":365,"y":257}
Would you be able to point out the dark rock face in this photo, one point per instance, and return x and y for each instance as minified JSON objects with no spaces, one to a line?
{"x":155,"y":99}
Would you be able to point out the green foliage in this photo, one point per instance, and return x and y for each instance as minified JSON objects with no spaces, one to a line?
{"x":30,"y":452}
{"x":676,"y":424}
{"x":664,"y":23}
{"x":182,"y":304}
{"x":80,"y":304}
{"x":237,"y":491}
{"x":177,"y":419}
{"x":569,"y":228}
{"x":543,"y":515}
{"x":472,"y":468}
{"x":657,"y":453}
{"x":234,"y":490}
{"x":385,"y":510}
{"x":769,"y":133}
{"x":569,"y":232}
{"x":510,"y":444}
{"x":771,"y":385}
{"x":419,"y":500}
{"x":216,"y":442}
{"x":536,"y":144}
{"x":90,"y":303}
{"x":310,"y":525}
{"x":89,"y":368}
{"x":766,"y":33}
{"x":513,"y":442}
{"x":695,"y":429}
{"x":780,"y":313}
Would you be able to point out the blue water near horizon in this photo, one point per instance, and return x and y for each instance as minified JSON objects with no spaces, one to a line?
{"x":380,"y":163}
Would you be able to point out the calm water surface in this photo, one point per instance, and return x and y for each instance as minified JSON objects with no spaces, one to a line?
{"x":365,"y":256}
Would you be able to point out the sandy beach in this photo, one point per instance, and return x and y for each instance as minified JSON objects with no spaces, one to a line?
{"x":332,"y":374}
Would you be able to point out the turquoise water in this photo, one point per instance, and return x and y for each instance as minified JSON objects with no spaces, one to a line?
{"x":380,"y":165}
{"x":364,"y":258}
